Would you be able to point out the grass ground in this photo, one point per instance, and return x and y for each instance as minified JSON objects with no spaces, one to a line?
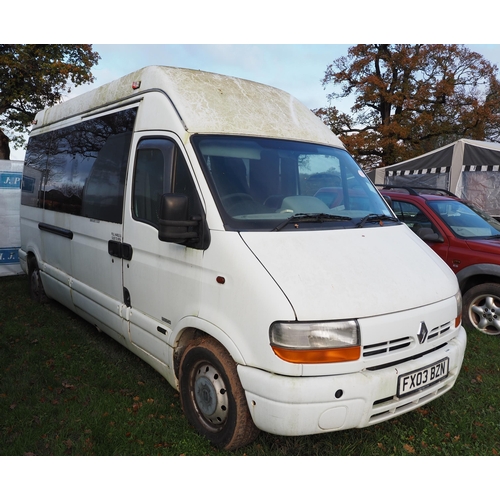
{"x":66,"y":389}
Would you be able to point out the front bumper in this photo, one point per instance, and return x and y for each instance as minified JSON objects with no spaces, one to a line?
{"x":293,"y":406}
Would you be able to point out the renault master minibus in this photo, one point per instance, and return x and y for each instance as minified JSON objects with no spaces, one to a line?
{"x":219,"y":230}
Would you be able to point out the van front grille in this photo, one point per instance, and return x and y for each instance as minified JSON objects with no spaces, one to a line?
{"x":386,"y":347}
{"x":438,"y":331}
{"x":389,"y":346}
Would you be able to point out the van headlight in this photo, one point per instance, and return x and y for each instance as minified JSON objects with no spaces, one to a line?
{"x":458,"y":318}
{"x":321,"y":342}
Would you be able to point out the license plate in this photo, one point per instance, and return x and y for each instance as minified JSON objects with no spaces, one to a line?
{"x":413,"y":381}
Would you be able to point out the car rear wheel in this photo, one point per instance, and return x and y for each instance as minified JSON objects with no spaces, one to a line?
{"x":481,"y":309}
{"x":212,"y":397}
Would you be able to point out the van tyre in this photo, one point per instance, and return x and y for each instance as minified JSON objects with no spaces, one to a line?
{"x":37,"y":292}
{"x":212,"y":397}
{"x":481,"y":309}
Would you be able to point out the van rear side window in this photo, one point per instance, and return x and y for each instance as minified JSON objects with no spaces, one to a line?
{"x":81,"y":169}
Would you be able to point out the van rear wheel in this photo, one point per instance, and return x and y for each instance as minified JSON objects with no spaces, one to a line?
{"x":37,"y":292}
{"x":212,"y":397}
{"x":481,"y":309}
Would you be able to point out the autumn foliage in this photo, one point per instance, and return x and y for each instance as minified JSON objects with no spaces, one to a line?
{"x":411,"y":99}
{"x":33,"y":77}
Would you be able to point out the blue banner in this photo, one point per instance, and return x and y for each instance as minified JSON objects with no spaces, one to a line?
{"x":9,"y":255}
{"x":10,"y":180}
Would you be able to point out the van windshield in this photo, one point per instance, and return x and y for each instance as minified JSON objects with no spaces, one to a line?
{"x":261,"y":184}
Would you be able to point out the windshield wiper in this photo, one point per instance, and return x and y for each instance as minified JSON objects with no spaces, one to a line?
{"x":376,"y":218}
{"x":310,"y":218}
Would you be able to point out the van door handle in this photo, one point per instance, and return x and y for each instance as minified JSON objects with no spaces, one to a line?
{"x":120,"y":250}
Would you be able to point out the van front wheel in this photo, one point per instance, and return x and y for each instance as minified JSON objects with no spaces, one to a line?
{"x":212,"y":397}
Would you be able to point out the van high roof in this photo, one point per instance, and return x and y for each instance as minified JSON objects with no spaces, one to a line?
{"x":206,"y":103}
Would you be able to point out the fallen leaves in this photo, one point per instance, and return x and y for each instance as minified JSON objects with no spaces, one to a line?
{"x":136,"y":407}
{"x":409,"y":448}
{"x":163,"y":445}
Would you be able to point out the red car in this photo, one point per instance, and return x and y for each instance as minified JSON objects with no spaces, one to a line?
{"x":466,"y":238}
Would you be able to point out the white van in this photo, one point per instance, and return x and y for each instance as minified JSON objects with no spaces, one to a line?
{"x":221,"y":232}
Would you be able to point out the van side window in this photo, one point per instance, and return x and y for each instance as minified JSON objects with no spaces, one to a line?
{"x":81,"y":169}
{"x":153,"y":166}
{"x":184,"y":184}
{"x":103,"y":191}
{"x":35,"y":170}
{"x":160,"y":168}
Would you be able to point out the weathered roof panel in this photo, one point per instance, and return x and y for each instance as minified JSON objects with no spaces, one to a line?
{"x":209,"y":103}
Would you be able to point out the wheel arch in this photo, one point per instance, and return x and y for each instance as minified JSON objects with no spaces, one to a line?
{"x":478,"y":274}
{"x":33,"y":256}
{"x":192,"y":329}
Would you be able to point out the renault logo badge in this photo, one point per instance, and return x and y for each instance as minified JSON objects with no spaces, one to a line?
{"x":422,"y":332}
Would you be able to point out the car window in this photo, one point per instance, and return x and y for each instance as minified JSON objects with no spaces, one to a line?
{"x":412,"y":216}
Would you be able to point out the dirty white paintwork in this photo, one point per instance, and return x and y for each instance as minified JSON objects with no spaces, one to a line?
{"x":342,"y":274}
{"x":208,"y":103}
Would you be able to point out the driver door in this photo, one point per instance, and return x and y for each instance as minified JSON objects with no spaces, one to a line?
{"x":161,"y":280}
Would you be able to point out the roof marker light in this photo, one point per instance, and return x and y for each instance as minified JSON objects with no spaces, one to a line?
{"x":136,"y":85}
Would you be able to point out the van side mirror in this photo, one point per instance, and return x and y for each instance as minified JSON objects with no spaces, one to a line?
{"x":174,"y":224}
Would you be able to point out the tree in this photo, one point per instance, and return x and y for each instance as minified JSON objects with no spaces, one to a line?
{"x":33,"y":77}
{"x":411,"y":99}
